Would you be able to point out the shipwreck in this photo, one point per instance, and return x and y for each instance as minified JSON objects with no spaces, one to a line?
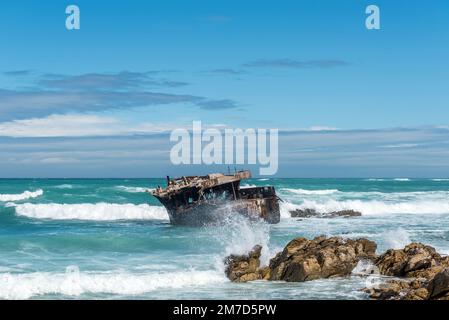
{"x":211,"y":199}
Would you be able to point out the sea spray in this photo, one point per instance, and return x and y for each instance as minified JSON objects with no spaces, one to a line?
{"x":396,"y":239}
{"x":239,"y":235}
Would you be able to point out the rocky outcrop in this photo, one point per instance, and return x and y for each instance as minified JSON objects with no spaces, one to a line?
{"x":415,"y":260}
{"x":308,"y":213}
{"x":426,"y":273}
{"x":399,"y":290}
{"x":303,"y":260}
{"x":244,"y":268}
{"x":439,"y":285}
{"x":436,"y":288}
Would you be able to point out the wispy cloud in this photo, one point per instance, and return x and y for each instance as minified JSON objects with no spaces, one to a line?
{"x":23,"y":104}
{"x":106,"y":81}
{"x":17,"y":73}
{"x":340,"y":153}
{"x":77,"y":125}
{"x":401,"y":145}
{"x":321,"y":128}
{"x":228,"y":71}
{"x":217,"y":104}
{"x":295,"y":64}
{"x":96,"y":92}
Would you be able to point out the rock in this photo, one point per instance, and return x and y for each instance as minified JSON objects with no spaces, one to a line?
{"x":410,"y":261}
{"x":426,"y":272}
{"x":364,"y":248}
{"x":399,"y":290}
{"x":416,"y":261}
{"x":303,"y":260}
{"x":409,"y":294}
{"x":388,"y":290}
{"x":346,"y":213}
{"x":307,"y":213}
{"x":439,"y":285}
{"x":265,"y":273}
{"x":245,"y":267}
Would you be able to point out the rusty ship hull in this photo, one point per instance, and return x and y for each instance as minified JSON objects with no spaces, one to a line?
{"x":215,"y":198}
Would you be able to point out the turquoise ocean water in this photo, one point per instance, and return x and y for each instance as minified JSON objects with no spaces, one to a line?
{"x":109,"y":239}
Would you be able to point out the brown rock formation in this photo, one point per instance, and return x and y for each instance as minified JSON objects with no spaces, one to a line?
{"x":414,"y":260}
{"x":303,"y":260}
{"x":427,"y":271}
{"x":245,"y":267}
{"x":308,"y":213}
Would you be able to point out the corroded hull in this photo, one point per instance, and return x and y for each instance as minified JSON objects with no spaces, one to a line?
{"x":214,"y":198}
{"x":218,"y":213}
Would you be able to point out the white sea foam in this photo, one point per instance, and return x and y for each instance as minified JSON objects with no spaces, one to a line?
{"x":364,"y":267}
{"x":440,"y":179}
{"x":311,"y":192}
{"x":88,"y":211}
{"x":396,"y":239}
{"x":375,"y":207}
{"x":285,"y":207}
{"x":21,"y":196}
{"x":64,"y":186}
{"x":74,"y":283}
{"x":401,"y":179}
{"x":239,"y":235}
{"x":133,"y":189}
{"x":375,"y":179}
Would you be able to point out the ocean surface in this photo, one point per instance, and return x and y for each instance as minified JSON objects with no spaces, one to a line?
{"x":109,"y":239}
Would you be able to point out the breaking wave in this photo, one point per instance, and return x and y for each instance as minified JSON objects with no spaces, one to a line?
{"x":87,"y":211}
{"x":440,"y":179}
{"x":133,"y":189}
{"x":310,"y":192}
{"x":285,"y":207}
{"x":75,"y":283}
{"x":401,"y":179}
{"x":374,"y":207}
{"x":64,"y":186}
{"x":22,"y":196}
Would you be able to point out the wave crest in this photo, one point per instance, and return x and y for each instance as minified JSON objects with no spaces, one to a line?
{"x":133,"y":189}
{"x":75,"y":283}
{"x":22,"y":196}
{"x":311,"y":192}
{"x":88,"y":211}
{"x":375,"y":207}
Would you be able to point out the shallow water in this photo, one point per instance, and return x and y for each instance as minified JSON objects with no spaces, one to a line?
{"x":108,"y":239}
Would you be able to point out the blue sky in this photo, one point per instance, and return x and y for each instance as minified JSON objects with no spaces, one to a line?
{"x":355,"y":102}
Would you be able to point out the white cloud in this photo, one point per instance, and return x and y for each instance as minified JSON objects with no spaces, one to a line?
{"x":401,"y":145}
{"x":75,"y":125}
{"x":321,"y":128}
